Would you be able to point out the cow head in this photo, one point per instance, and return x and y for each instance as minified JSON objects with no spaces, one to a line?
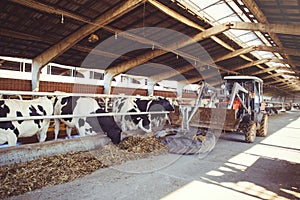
{"x":144,"y":123}
{"x":165,"y":104}
{"x":109,"y":126}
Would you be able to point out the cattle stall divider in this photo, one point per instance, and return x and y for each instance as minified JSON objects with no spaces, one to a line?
{"x":104,"y":97}
{"x":8,"y":92}
{"x":26,"y":152}
{"x":75,"y":116}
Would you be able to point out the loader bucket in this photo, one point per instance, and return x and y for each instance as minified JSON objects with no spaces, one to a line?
{"x":215,"y":118}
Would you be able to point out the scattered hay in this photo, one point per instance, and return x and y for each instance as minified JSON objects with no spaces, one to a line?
{"x":141,"y":144}
{"x":52,"y":170}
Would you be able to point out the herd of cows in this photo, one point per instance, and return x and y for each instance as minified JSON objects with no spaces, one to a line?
{"x":112,"y":126}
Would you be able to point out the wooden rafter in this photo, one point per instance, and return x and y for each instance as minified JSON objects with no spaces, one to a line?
{"x":252,"y":63}
{"x":89,"y":21}
{"x":273,"y":28}
{"x":76,"y":36}
{"x":261,"y":61}
{"x":51,"y":9}
{"x":256,"y":11}
{"x":235,"y":53}
{"x":287,"y":51}
{"x":25,"y":36}
{"x":190,"y":23}
{"x":249,"y":49}
{"x":269,"y":69}
{"x":127,"y":65}
{"x":276,"y":81}
{"x":65,"y":44}
{"x":279,"y":74}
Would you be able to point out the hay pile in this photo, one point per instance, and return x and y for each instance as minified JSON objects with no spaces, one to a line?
{"x":141,"y":144}
{"x":131,"y":148}
{"x":52,"y":170}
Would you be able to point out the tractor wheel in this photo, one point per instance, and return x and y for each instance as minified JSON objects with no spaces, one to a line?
{"x":250,"y":132}
{"x":263,"y":130}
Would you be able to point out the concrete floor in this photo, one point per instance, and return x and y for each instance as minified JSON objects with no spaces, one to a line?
{"x":267,"y":169}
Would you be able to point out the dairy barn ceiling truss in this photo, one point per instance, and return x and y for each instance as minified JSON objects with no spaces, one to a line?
{"x":242,"y":37}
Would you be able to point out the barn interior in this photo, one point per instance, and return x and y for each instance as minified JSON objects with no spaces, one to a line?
{"x":86,"y":44}
{"x":249,"y":38}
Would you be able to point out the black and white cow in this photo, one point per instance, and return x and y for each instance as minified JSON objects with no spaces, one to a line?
{"x":11,"y":130}
{"x":67,"y":105}
{"x":142,"y":121}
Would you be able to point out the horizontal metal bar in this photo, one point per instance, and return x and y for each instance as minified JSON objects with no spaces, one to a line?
{"x":10,"y":92}
{"x":2,"y":119}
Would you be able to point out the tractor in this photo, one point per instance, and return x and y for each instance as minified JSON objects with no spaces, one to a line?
{"x":238,"y":107}
{"x":245,"y":94}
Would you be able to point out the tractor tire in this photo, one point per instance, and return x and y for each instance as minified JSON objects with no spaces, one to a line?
{"x":263,"y":130}
{"x":250,"y":133}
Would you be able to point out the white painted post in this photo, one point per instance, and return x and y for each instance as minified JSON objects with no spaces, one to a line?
{"x":179,"y":89}
{"x":107,"y":86}
{"x":107,"y":82}
{"x":35,"y":75}
{"x":150,"y":87}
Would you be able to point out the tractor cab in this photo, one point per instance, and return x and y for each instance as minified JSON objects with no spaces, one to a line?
{"x":245,"y":90}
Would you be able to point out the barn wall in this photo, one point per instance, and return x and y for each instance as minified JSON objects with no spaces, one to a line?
{"x":25,"y":85}
{"x":15,"y":84}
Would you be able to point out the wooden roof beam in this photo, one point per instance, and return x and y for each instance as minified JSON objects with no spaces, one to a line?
{"x":249,"y":49}
{"x":276,"y":81}
{"x":257,"y":12}
{"x":71,"y":40}
{"x":130,"y":64}
{"x":50,"y":9}
{"x":258,"y":62}
{"x":289,"y":81}
{"x":291,"y":29}
{"x":270,"y":69}
{"x":54,"y":10}
{"x":294,"y":86}
{"x":250,"y":64}
{"x":236,"y":53}
{"x":90,"y":27}
{"x":127,"y":65}
{"x":287,"y":51}
{"x":279,"y":74}
{"x":57,"y":49}
{"x":24,"y":36}
{"x":190,"y":23}
{"x":166,"y":75}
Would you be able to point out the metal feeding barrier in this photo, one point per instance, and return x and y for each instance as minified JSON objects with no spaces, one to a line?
{"x":2,"y":119}
{"x":18,"y":93}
